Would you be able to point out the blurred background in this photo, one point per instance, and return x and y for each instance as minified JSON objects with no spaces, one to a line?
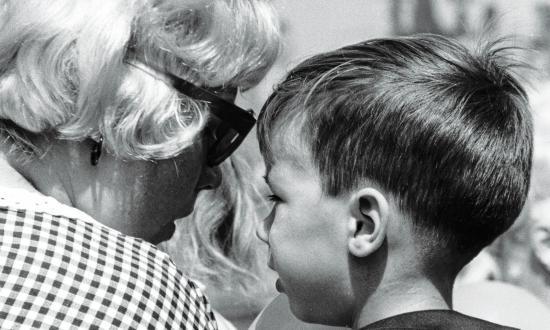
{"x":235,"y":273}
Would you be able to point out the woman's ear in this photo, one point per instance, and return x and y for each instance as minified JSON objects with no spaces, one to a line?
{"x":367,"y":222}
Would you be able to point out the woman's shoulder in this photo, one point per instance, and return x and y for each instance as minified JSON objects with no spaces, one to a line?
{"x":67,"y":268}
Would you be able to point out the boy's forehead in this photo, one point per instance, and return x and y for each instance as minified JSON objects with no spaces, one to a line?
{"x":280,"y":165}
{"x":286,"y":165}
{"x":288,"y":149}
{"x":286,"y":144}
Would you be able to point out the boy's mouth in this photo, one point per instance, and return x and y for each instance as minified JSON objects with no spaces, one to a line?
{"x":279,"y":286}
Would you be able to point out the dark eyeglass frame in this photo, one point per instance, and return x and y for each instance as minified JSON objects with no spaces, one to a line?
{"x":230,"y":115}
{"x":237,"y":118}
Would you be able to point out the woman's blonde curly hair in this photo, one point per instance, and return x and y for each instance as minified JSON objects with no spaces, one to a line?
{"x":69,"y":69}
{"x":64,"y":69}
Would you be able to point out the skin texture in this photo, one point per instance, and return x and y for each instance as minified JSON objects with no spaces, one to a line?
{"x":138,"y":198}
{"x":347,"y":260}
{"x":307,"y":244}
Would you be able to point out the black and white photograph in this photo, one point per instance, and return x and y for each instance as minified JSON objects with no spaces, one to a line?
{"x":275,"y":164}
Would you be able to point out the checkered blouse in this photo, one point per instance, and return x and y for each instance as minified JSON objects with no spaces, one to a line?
{"x":60,"y":269}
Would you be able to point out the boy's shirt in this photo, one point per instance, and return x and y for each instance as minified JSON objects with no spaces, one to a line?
{"x":434,"y":320}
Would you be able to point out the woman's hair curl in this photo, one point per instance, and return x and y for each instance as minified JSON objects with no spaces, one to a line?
{"x":64,"y":69}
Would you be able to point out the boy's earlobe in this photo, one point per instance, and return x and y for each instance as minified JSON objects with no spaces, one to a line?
{"x":367,"y":222}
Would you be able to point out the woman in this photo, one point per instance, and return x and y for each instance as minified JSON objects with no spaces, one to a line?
{"x":106,"y":134}
{"x":217,"y":243}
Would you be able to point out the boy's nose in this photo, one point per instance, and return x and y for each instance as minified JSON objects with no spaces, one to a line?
{"x":262,"y":231}
{"x":210,"y":178}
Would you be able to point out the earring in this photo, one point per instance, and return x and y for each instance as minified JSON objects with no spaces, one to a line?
{"x":96,"y":151}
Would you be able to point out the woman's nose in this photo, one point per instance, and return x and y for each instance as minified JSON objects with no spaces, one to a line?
{"x":211,"y":178}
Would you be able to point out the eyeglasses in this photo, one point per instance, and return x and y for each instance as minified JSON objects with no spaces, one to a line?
{"x":235,"y":122}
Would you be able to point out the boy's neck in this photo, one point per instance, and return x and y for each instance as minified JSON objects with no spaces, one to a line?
{"x":401,"y":297}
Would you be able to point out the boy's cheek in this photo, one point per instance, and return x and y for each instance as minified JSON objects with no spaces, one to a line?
{"x":301,"y":282}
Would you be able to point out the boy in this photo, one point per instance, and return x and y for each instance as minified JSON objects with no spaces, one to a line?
{"x":392,"y":163}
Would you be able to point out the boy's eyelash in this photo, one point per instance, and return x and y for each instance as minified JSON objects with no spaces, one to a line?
{"x":273,"y":198}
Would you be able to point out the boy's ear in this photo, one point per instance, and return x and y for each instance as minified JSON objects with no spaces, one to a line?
{"x":367,"y":222}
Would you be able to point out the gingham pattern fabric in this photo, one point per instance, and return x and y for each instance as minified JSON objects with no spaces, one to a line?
{"x":59,"y":272}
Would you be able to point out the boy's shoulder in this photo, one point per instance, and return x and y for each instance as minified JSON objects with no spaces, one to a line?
{"x":434,"y":319}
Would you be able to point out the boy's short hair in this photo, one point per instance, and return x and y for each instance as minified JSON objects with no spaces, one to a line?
{"x":446,"y":132}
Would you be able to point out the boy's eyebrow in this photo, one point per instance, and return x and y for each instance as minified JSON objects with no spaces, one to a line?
{"x":266,"y":178}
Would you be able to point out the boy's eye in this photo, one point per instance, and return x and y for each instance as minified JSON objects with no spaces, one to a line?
{"x":273,"y":198}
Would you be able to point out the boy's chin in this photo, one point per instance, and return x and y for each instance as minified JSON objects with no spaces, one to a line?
{"x":313,"y":313}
